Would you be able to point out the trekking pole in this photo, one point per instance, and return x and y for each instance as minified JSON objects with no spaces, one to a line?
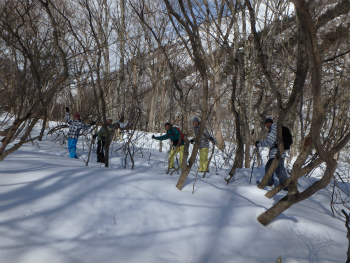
{"x":216,"y":166}
{"x":254,"y":158}
{"x":170,"y":157}
{"x":211,"y":155}
{"x":90,"y":147}
{"x":92,"y":142}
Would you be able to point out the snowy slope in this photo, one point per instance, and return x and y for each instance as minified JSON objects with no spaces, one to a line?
{"x":57,"y":210}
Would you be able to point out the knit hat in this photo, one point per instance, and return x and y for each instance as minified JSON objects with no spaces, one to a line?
{"x":167,"y":123}
{"x":109,"y":118}
{"x":268,"y":120}
{"x":77,"y":115}
{"x":195,"y":119}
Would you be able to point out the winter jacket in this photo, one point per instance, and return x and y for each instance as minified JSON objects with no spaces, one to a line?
{"x":173,"y":134}
{"x":102,"y":135}
{"x":75,"y":126}
{"x":271,"y":142}
{"x":204,"y":142}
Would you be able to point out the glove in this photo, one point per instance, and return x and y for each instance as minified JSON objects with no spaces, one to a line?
{"x":192,"y":141}
{"x":211,"y":139}
{"x":67,"y":109}
{"x":153,"y":137}
{"x":93,"y":123}
{"x":94,"y":136}
{"x":256,"y":143}
{"x":121,"y":119}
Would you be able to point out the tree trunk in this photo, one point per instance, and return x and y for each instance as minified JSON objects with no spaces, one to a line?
{"x":316,"y":125}
{"x":185,"y":168}
{"x":291,"y":199}
{"x":239,"y":156}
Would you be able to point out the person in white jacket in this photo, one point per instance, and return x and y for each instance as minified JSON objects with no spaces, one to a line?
{"x":271,"y":142}
{"x":75,"y":126}
{"x":203,"y":145}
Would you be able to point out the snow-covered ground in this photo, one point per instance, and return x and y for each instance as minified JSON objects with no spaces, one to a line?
{"x":58,"y":210}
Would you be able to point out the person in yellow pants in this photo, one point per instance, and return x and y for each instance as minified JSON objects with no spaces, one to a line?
{"x":203,"y":146}
{"x":174,"y":151}
{"x":203,"y":159}
{"x":176,"y":137}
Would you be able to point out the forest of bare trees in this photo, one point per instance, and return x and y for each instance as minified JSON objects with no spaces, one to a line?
{"x":233,"y":63}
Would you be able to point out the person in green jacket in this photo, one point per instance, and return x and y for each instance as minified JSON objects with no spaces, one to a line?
{"x":101,"y":140}
{"x":174,"y":134}
{"x":102,"y":136}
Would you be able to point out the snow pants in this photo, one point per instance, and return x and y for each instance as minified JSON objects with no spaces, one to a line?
{"x":203,"y":159}
{"x":173,"y":153}
{"x":280,"y":171}
{"x":72,"y":147}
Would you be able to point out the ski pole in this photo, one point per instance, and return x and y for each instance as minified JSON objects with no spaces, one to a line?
{"x":254,"y":158}
{"x":211,"y":155}
{"x":173,"y":154}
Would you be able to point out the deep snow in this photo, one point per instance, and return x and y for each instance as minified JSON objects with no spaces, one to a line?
{"x":58,"y":210}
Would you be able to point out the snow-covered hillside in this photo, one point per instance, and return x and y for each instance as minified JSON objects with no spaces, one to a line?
{"x":58,"y":210}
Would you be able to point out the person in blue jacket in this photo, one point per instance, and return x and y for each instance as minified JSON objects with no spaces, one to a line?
{"x":174,"y":135}
{"x":75,"y":126}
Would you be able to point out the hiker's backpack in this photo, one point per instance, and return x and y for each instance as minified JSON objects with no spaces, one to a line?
{"x":287,"y":138}
{"x":182,"y":135}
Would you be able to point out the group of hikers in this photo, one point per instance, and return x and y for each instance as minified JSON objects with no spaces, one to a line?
{"x":177,"y":140}
{"x":76,"y":125}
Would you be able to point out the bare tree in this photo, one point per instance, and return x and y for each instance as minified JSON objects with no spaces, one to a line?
{"x":39,"y":68}
{"x":182,"y":16}
{"x":308,"y":33}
